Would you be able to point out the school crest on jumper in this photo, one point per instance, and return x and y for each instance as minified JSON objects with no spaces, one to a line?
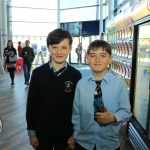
{"x":68,"y":86}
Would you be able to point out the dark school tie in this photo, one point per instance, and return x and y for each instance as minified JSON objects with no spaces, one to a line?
{"x":98,"y":102}
{"x":98,"y":91}
{"x":59,"y":71}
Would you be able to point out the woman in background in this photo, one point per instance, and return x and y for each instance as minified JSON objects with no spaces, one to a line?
{"x":11,"y":66}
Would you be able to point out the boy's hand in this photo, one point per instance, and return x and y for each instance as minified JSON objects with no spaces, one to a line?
{"x":71,"y":142}
{"x":105,"y":117}
{"x":34,"y":142}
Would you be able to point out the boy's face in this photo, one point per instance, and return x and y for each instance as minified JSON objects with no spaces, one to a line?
{"x":98,"y":60}
{"x":59,"y":52}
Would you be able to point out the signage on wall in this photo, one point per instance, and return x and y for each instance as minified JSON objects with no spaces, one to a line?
{"x":44,"y":51}
{"x":34,"y":46}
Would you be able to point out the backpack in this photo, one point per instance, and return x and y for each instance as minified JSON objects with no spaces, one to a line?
{"x":76,"y":50}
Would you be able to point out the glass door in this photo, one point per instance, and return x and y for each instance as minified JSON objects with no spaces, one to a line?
{"x":85,"y":43}
{"x":142,"y":80}
{"x":79,"y":57}
{"x":74,"y":55}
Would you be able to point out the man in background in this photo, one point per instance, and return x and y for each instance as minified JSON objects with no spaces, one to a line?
{"x":28,"y":56}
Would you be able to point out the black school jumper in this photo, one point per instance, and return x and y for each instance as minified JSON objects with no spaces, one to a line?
{"x":49,"y":104}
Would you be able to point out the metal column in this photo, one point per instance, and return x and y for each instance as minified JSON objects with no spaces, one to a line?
{"x":110,"y":9}
{"x":101,"y":20}
{"x":58,"y":13}
{"x":3,"y":27}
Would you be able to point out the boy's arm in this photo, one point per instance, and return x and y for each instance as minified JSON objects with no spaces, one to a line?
{"x":124,"y":108}
{"x":75,"y":112}
{"x":32,"y":103}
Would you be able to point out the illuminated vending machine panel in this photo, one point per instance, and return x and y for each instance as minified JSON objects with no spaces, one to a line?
{"x":121,"y":44}
{"x":142,"y":78}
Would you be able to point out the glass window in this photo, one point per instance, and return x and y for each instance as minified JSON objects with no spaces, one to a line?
{"x":87,"y":30}
{"x":33,"y":29}
{"x":50,"y":4}
{"x":124,"y":7}
{"x":34,"y":15}
{"x":23,"y":14}
{"x":104,"y":1}
{"x":119,"y":2}
{"x":105,"y":11}
{"x":74,"y":15}
{"x":77,"y":3}
{"x":32,"y":20}
{"x":72,"y":28}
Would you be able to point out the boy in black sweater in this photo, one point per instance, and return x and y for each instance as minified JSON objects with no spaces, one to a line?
{"x":50,"y":97}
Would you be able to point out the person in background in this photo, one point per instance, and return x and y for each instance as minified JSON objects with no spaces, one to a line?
{"x":19,"y":48}
{"x":79,"y":51}
{"x":50,"y":97}
{"x":85,"y":56}
{"x":95,"y":130}
{"x":11,"y":66}
{"x":28,"y":57}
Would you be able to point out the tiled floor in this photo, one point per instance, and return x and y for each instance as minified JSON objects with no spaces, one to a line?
{"x":12,"y":111}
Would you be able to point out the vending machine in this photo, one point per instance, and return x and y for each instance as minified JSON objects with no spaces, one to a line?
{"x":121,"y":40}
{"x":131,"y":62}
{"x":139,"y":126}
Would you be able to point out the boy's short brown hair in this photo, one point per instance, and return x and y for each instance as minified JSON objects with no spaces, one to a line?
{"x":94,"y":45}
{"x":57,"y":36}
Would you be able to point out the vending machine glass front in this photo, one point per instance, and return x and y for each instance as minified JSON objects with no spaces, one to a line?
{"x":142,"y":78}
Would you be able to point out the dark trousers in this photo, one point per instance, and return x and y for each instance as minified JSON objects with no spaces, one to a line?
{"x":27,"y":68}
{"x":78,"y":57}
{"x":79,"y":147}
{"x":48,"y":144}
{"x":49,"y":140}
{"x":12,"y":75}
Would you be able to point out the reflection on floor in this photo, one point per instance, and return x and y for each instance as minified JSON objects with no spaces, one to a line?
{"x":12,"y":111}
